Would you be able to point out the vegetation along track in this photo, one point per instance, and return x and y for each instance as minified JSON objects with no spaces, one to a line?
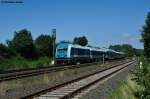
{"x":70,"y":89}
{"x":33,"y":72}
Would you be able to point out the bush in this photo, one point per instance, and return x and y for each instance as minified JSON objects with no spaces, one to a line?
{"x":23,"y":44}
{"x":142,"y":77}
{"x":44,"y":45}
{"x":5,"y":52}
{"x":18,"y":62}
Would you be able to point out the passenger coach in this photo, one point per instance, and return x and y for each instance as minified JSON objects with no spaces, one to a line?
{"x":97,"y":54}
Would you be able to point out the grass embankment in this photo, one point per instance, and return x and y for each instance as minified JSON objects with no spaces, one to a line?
{"x":126,"y":90}
{"x":136,"y":86}
{"x":19,"y":62}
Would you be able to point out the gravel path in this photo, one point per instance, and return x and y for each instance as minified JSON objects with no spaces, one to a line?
{"x":104,"y":89}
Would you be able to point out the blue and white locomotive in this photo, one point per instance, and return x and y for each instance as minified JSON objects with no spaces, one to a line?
{"x":72,"y":53}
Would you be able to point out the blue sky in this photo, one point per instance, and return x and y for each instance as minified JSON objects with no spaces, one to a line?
{"x":103,"y":22}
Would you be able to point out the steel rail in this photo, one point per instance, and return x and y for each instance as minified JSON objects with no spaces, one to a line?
{"x":35,"y":72}
{"x":72,"y":81}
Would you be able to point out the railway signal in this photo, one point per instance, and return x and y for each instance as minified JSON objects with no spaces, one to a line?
{"x":54,"y":38}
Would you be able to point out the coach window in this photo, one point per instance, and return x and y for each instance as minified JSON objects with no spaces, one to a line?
{"x":76,"y":52}
{"x":72,"y":51}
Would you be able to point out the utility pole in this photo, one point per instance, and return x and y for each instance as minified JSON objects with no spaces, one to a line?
{"x":54,"y":45}
{"x":103,"y":58}
{"x":104,"y":55}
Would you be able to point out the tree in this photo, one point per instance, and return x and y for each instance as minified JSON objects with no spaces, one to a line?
{"x":128,"y":49}
{"x":5,"y":52}
{"x":80,"y":40}
{"x":116,"y":47}
{"x":138,"y":52}
{"x":23,"y":44}
{"x":146,"y":36}
{"x":44,"y":45}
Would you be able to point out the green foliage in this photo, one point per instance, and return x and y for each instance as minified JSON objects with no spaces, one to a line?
{"x":128,"y":49}
{"x":44,"y":45}
{"x":18,"y":62}
{"x":125,"y":90}
{"x":23,"y":53}
{"x":80,"y":40}
{"x":146,"y":36}
{"x":142,"y":77}
{"x":5,"y":52}
{"x":116,"y":47}
{"x":23,"y":44}
{"x":138,"y":52}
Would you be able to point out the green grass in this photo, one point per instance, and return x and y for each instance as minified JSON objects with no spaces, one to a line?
{"x":126,"y":90}
{"x":18,"y":62}
{"x":138,"y":87}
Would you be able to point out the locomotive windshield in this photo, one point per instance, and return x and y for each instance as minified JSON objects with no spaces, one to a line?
{"x":61,"y":52}
{"x":62,"y":49}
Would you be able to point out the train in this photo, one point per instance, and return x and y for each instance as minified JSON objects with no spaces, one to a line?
{"x":68,"y":53}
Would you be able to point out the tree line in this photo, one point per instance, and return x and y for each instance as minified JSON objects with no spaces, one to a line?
{"x":23,"y":44}
{"x":127,"y":49}
{"x":146,"y":36}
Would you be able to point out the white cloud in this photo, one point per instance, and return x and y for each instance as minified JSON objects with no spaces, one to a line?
{"x":130,"y":37}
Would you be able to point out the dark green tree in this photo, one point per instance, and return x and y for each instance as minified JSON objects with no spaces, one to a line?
{"x":23,"y":44}
{"x":116,"y":47}
{"x":128,"y":49}
{"x":146,"y":36}
{"x":44,"y":45}
{"x":6,"y":52}
{"x":139,"y":52}
{"x":80,"y":40}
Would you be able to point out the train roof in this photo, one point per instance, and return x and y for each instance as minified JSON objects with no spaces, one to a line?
{"x":110,"y":50}
{"x":78,"y":46}
{"x":105,"y":49}
{"x":63,"y":45}
{"x":116,"y":51}
{"x":97,"y":49}
{"x":66,"y":44}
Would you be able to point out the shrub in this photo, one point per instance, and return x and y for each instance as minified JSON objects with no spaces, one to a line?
{"x":142,"y":77}
{"x":44,"y":45}
{"x":23,"y":44}
{"x":5,"y":52}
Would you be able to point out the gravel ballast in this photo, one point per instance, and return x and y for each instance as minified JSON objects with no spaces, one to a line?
{"x":102,"y":91}
{"x":16,"y":89}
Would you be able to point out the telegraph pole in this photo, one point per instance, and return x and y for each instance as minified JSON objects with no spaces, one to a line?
{"x":54,"y":38}
{"x":103,"y":58}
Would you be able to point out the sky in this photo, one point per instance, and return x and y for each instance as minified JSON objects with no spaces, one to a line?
{"x":103,"y":22}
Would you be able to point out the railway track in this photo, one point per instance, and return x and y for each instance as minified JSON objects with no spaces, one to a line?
{"x":33,"y":72}
{"x":70,"y":89}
